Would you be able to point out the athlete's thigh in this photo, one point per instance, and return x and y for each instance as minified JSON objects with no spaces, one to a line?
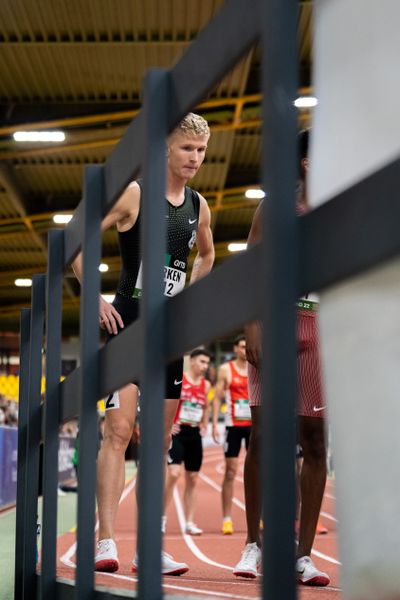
{"x":232,"y":442}
{"x":121,"y":406}
{"x":246,"y":436}
{"x":311,"y":434}
{"x":173,"y":384}
{"x":193,"y":453}
{"x":176,"y":452}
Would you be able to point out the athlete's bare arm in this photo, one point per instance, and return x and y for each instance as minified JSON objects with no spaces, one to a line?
{"x":205,"y":245}
{"x":223,"y":382}
{"x":206,"y":413}
{"x":123,"y":214}
{"x":253,"y":330}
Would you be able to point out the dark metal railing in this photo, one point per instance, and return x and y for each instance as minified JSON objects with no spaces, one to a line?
{"x":296,"y":255}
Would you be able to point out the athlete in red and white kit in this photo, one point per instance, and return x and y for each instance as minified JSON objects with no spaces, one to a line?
{"x":311,"y":412}
{"x":190,"y":425}
{"x":232,"y":383}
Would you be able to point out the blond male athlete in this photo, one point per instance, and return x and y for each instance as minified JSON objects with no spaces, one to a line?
{"x":188,"y":224}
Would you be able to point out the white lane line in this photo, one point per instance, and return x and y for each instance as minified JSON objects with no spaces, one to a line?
{"x":219,"y":489}
{"x":327,"y":495}
{"x":243,"y":507}
{"x":66,"y":557}
{"x":328,"y":516}
{"x":188,"y":539}
{"x":188,"y":589}
{"x":325,"y":557}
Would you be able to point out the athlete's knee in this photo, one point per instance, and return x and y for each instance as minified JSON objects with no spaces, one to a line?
{"x":174,"y":473}
{"x":191,"y":477}
{"x":119,"y":434}
{"x":314,"y":449}
{"x":230,"y":472}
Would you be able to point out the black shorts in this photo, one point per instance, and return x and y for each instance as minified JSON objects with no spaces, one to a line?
{"x":233,"y":440}
{"x":187,"y":447}
{"x":129,"y":311}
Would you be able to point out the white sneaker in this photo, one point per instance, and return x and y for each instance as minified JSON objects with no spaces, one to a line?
{"x":168,"y":565}
{"x":192,"y":529}
{"x":106,"y":558}
{"x":250,"y":563}
{"x":308,"y":574}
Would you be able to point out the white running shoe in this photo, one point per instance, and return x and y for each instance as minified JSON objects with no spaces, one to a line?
{"x":106,"y":558}
{"x":192,"y":529}
{"x":308,"y":574}
{"x":250,"y":563}
{"x":169,"y":566}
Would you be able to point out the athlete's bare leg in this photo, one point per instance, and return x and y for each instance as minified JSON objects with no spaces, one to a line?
{"x":231,"y":467}
{"x":111,"y":460}
{"x":172,"y":476}
{"x":252,"y":487}
{"x":313,"y":479}
{"x":189,"y":495}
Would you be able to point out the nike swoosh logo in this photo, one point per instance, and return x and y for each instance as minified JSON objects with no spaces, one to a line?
{"x":191,"y":222}
{"x":316,"y":409}
{"x":177,"y":382}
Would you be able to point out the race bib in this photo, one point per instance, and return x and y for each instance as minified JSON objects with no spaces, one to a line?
{"x":190,"y":413}
{"x":308,"y":302}
{"x":241,"y":410}
{"x":174,"y":277}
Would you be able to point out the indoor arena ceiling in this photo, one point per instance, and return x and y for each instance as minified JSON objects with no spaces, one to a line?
{"x":78,"y":66}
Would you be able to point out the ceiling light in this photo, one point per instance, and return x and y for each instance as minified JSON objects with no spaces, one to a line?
{"x":306,"y":102}
{"x":23,"y":282}
{"x":237,"y":246}
{"x":108,"y":297}
{"x":254,"y":194}
{"x":39,"y":136}
{"x":103,"y":267}
{"x":62,"y":219}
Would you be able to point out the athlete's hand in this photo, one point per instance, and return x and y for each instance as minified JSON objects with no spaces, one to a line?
{"x":109,"y":317}
{"x":203,"y":429}
{"x":215,"y":434}
{"x":175,"y":428}
{"x":253,"y":343}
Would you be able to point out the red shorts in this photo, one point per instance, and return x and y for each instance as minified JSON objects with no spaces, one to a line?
{"x":310,"y":401}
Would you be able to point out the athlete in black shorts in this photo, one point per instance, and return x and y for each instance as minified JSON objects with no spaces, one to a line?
{"x":188,"y":224}
{"x":190,"y":425}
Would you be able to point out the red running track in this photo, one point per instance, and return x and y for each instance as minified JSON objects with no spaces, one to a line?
{"x":211,"y":556}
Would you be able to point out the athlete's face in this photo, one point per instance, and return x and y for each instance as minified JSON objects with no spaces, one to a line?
{"x":186,"y":153}
{"x":199,"y":365}
{"x":240,"y":350}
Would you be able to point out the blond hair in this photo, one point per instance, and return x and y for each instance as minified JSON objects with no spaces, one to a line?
{"x":193,"y":124}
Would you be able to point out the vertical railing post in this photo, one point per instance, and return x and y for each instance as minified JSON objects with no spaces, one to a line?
{"x":20,"y":531}
{"x":55,"y":270}
{"x":34,"y":425}
{"x":151,"y":466}
{"x":89,"y":385}
{"x":280,"y":289}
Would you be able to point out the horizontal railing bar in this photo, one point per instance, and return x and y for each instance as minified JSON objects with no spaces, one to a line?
{"x":353,"y":232}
